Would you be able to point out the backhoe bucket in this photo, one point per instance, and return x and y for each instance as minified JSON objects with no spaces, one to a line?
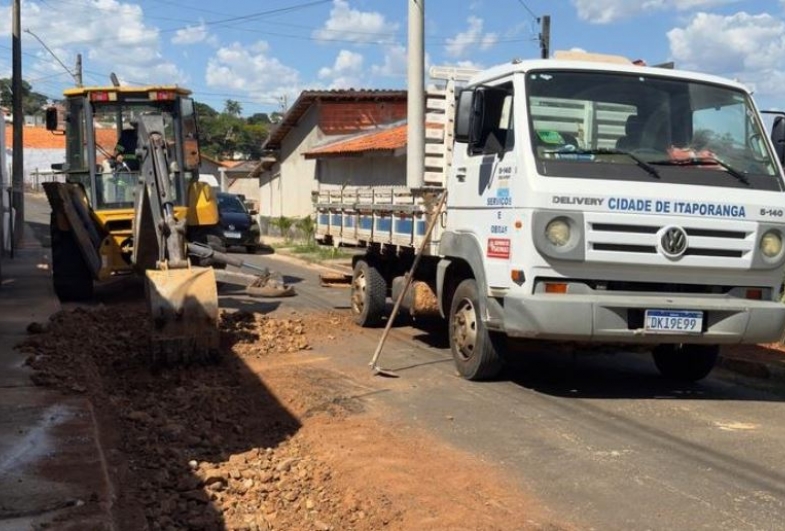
{"x":184,"y":308}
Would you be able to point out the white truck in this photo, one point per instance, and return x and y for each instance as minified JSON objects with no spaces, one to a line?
{"x":587,"y":201}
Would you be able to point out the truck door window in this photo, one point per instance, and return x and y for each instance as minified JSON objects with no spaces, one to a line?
{"x":497,"y":133}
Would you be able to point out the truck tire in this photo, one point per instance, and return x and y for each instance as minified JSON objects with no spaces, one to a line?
{"x":474,"y":348}
{"x":685,"y":363}
{"x":71,"y":277}
{"x":369,"y":295}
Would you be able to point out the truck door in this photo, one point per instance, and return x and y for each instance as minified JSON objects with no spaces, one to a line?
{"x":480,"y":187}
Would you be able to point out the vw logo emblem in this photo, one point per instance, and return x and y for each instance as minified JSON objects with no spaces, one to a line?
{"x":231,"y":227}
{"x":673,"y":241}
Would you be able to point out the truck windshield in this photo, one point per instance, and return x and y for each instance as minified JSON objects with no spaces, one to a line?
{"x":616,"y":126}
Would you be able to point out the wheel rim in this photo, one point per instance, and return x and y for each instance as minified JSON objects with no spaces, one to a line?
{"x":359,"y":288}
{"x":464,"y":329}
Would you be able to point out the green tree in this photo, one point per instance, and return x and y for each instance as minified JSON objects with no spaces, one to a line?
{"x":259,"y":118}
{"x":33,"y":103}
{"x":233,"y":108}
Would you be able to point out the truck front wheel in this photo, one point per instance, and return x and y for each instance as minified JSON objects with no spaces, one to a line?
{"x":474,"y":348}
{"x":369,"y":295}
{"x":686,"y":363}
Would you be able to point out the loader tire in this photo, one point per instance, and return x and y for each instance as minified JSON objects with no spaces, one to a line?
{"x":71,"y":277}
{"x":369,"y":295}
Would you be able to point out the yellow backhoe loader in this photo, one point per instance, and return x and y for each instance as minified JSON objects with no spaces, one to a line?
{"x":131,"y":202}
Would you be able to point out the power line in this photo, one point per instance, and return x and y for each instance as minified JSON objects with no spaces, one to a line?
{"x":535,"y":17}
{"x":76,"y":75}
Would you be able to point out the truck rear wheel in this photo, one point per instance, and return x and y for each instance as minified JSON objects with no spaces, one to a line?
{"x":474,"y":348}
{"x":686,"y":363}
{"x":369,"y":294}
{"x":71,"y":277}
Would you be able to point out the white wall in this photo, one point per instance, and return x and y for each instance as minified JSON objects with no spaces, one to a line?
{"x":369,"y":170}
{"x":286,"y":190}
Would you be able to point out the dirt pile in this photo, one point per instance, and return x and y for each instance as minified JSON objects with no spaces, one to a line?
{"x":200,"y":447}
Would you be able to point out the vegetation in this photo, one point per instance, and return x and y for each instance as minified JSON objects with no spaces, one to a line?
{"x":33,"y":103}
{"x":284,"y":226}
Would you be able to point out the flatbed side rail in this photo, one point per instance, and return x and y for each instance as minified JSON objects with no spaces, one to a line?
{"x":363,"y":216}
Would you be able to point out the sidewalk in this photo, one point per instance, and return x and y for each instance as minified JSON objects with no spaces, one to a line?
{"x":51,"y":469}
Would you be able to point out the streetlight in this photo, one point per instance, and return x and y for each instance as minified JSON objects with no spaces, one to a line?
{"x":76,"y":75}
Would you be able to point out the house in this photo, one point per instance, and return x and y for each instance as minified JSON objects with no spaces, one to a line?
{"x":366,"y":159}
{"x":42,"y":148}
{"x":233,"y":176}
{"x":287,"y":177}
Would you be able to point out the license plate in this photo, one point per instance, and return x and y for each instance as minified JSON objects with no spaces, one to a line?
{"x":673,"y":322}
{"x":229,"y":234}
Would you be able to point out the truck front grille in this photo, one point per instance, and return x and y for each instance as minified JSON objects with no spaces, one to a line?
{"x":711,"y":242}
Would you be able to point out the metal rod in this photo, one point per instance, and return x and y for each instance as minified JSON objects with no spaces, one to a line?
{"x":409,"y":276}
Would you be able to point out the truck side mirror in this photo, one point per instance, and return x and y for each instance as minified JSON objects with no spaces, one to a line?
{"x":778,"y":137}
{"x":463,"y":115}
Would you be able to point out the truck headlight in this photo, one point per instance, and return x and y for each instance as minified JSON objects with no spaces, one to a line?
{"x":771,"y":244}
{"x":558,"y":232}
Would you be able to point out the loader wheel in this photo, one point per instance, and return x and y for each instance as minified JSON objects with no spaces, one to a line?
{"x":71,"y":277}
{"x":474,"y":348}
{"x":369,"y":295}
{"x":685,"y":363}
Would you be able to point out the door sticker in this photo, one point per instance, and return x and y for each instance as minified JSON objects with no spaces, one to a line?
{"x":498,"y":248}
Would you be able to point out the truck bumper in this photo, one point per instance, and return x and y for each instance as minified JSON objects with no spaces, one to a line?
{"x":619,"y":318}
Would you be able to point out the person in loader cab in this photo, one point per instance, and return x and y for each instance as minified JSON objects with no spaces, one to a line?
{"x":125,"y":150}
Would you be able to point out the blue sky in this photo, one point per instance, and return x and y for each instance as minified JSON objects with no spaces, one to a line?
{"x":263,"y":54}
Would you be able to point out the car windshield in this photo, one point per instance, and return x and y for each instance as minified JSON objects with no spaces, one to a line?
{"x":617,"y":126}
{"x":231,"y":203}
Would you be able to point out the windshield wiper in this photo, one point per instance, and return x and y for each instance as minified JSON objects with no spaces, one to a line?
{"x":651,"y":170}
{"x":705,"y":161}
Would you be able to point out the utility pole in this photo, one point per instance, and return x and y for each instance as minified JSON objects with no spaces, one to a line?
{"x":17,"y":175}
{"x":415,"y":98}
{"x":545,"y":36}
{"x":78,"y":76}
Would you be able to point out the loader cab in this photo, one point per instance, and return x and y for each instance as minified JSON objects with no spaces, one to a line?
{"x":99,"y":124}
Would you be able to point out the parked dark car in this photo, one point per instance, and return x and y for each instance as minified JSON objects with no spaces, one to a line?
{"x":238,"y":224}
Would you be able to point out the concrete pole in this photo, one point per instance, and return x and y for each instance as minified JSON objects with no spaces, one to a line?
{"x":415,"y":137}
{"x":17,"y":175}
{"x":223,"y":181}
{"x":78,"y":75}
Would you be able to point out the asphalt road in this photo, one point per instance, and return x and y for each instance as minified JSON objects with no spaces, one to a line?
{"x":599,"y":439}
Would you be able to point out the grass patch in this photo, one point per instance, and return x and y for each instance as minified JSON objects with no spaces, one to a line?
{"x":313,"y":252}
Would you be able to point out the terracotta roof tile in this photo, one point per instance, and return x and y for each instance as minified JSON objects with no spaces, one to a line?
{"x":310,"y":97}
{"x":40,"y":138}
{"x":380,"y":141}
{"x":386,"y":140}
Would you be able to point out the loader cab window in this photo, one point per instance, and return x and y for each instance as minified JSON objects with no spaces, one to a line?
{"x":116,"y":142}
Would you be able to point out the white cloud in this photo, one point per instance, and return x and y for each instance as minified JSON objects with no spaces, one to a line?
{"x":743,"y":46}
{"x":191,"y":34}
{"x":347,"y":24}
{"x":394,"y":63}
{"x":606,"y":11}
{"x":346,"y":72}
{"x":472,"y":37}
{"x":251,"y":70}
{"x":126,"y":45}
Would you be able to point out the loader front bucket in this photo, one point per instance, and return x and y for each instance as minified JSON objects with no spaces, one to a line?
{"x":184,"y":308}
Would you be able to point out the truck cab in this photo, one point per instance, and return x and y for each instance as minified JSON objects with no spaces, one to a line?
{"x":610,"y":202}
